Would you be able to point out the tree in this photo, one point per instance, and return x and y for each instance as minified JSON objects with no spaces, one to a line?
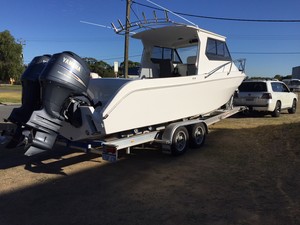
{"x":278,"y":77}
{"x":100,"y":67}
{"x":133,"y":68}
{"x":131,"y":64}
{"x":11,"y":62}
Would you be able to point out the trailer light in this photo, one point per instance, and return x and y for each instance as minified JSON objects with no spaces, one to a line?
{"x":111,"y":150}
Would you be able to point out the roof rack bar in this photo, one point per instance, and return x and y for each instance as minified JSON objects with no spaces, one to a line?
{"x":167,"y":16}
{"x":155,"y":17}
{"x":121,"y":25}
{"x":144,"y":16}
{"x":114,"y":27}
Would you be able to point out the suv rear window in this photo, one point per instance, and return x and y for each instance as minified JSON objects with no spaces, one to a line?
{"x":253,"y":87}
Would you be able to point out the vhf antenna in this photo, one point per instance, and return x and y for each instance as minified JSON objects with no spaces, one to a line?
{"x":175,"y":14}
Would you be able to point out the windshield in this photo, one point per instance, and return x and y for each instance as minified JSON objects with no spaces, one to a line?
{"x":179,"y":55}
{"x":187,"y":52}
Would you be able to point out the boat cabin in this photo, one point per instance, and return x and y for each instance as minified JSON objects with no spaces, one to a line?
{"x":181,"y":50}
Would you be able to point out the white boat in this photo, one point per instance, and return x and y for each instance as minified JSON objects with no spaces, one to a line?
{"x":185,"y":71}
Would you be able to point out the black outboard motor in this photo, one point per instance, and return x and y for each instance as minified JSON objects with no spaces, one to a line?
{"x":65,"y":75}
{"x":31,"y":97}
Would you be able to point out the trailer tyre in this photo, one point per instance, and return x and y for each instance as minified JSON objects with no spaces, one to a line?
{"x":198,"y":135}
{"x":180,"y":141}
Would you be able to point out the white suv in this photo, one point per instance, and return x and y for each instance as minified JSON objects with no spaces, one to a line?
{"x":270,"y":96}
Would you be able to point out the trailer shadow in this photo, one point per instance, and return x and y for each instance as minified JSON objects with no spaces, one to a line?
{"x":233,"y":179}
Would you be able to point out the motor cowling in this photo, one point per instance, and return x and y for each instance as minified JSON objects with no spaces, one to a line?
{"x":65,"y":75}
{"x":31,"y":97}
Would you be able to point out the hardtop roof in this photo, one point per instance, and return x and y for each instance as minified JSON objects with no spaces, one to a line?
{"x":172,"y":35}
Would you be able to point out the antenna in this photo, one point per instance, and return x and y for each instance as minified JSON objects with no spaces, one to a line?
{"x":113,"y":26}
{"x":95,"y":24}
{"x":121,"y":25}
{"x":167,"y":10}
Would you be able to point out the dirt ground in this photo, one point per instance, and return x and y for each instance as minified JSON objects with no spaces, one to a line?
{"x":248,"y":172}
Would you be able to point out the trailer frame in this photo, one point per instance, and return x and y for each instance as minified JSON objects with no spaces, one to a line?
{"x":163,"y":135}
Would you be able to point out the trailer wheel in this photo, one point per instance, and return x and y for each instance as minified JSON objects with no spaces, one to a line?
{"x":180,"y":141}
{"x":197,"y":134}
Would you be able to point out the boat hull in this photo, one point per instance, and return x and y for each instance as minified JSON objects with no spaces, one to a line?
{"x":142,"y":103}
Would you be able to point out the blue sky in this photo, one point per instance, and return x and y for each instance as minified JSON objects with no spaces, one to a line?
{"x":48,"y":27}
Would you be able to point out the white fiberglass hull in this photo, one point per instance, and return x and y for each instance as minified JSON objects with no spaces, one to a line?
{"x":141,"y":103}
{"x":147,"y":102}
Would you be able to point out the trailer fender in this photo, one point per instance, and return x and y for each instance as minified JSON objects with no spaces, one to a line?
{"x":168,"y":133}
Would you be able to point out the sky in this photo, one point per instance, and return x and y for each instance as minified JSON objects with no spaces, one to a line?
{"x":53,"y":26}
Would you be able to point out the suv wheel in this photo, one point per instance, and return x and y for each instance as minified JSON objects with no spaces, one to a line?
{"x":292,"y":110}
{"x":277,"y":110}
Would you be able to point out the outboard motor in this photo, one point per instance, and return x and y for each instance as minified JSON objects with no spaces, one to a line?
{"x":31,"y":97}
{"x":66,"y":75}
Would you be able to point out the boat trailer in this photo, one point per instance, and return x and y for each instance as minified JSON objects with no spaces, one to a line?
{"x":174,"y":138}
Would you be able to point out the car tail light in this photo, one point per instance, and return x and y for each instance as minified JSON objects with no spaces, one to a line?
{"x":266,"y":96}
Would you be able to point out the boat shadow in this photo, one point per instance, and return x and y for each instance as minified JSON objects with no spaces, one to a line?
{"x":10,"y":158}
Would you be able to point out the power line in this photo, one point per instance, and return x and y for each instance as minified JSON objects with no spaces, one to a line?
{"x":222,"y":18}
{"x":121,"y":57}
{"x":267,"y":53}
{"x":277,"y":37}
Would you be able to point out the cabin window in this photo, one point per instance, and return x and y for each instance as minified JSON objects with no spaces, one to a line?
{"x":161,"y":53}
{"x":187,"y":52}
{"x":175,"y":62}
{"x":179,"y":55}
{"x":217,"y":50}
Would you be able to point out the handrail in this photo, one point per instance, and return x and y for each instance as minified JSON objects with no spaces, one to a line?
{"x":240,"y":66}
{"x":216,"y":69}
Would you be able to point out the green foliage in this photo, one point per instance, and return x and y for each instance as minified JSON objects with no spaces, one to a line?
{"x":287,"y":77}
{"x":278,"y":77}
{"x":131,"y":64}
{"x":11,"y":62}
{"x":102,"y":68}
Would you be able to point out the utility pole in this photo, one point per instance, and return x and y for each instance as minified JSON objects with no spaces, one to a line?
{"x":127,"y":31}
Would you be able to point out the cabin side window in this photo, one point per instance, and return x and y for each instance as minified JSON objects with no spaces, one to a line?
{"x":217,"y":50}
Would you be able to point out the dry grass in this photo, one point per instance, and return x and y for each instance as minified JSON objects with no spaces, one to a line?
{"x":10,"y":97}
{"x":10,"y":94}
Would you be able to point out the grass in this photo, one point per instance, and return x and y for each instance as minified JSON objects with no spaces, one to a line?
{"x":10,"y":93}
{"x":11,"y":87}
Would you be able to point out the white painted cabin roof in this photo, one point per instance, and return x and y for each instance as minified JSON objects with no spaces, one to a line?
{"x":173,"y":35}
